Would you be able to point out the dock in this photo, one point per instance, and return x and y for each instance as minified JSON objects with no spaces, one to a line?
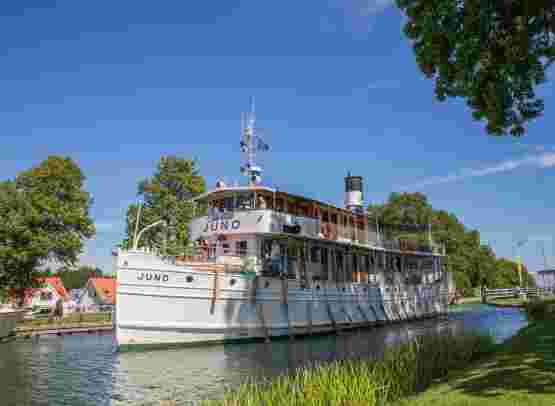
{"x":59,"y":331}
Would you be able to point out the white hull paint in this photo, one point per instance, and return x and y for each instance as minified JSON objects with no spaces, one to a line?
{"x":161,"y":303}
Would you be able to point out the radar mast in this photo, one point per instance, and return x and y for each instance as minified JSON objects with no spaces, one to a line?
{"x":251,"y":143}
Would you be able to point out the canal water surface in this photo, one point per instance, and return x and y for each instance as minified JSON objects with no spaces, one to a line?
{"x":87,"y":369}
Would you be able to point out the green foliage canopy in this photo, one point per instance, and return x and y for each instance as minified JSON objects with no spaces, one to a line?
{"x":471,"y":262}
{"x":77,"y":278}
{"x":492,"y":53}
{"x":166,"y":197}
{"x":44,"y":217}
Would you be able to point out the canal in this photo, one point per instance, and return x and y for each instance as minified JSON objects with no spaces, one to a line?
{"x":87,"y":369}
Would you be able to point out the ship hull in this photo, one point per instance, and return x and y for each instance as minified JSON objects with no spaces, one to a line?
{"x":160,"y":304}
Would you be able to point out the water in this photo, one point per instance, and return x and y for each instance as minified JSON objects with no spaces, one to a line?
{"x":87,"y":370}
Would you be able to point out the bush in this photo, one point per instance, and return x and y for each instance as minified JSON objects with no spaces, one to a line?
{"x":403,"y":371}
{"x":540,"y":309}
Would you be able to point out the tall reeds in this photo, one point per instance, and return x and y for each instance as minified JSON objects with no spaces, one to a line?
{"x":403,"y":370}
{"x":540,"y":309}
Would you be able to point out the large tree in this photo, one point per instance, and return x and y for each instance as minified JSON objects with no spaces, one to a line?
{"x":44,"y":217}
{"x":77,"y":278}
{"x":472,"y":263}
{"x":166,"y":197}
{"x":492,"y":53}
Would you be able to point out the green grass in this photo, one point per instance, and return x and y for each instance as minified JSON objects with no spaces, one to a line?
{"x":72,"y":320}
{"x":508,"y":302}
{"x":522,"y":372}
{"x":403,"y":371}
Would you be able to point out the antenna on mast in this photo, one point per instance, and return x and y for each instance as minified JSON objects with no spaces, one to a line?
{"x":251,"y":142}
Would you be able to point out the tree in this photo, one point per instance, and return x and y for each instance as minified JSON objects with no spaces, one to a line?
{"x":491,"y":53}
{"x":471,"y":262}
{"x":166,"y":197}
{"x":44,"y":217}
{"x":77,"y":278}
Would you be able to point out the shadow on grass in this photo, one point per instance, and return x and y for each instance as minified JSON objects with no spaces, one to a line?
{"x":525,"y":364}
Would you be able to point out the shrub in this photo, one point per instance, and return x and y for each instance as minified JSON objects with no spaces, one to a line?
{"x":404,"y":370}
{"x":540,"y":309}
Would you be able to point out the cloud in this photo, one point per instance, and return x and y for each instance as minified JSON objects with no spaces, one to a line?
{"x":545,"y":160}
{"x":361,"y":13}
{"x":104,"y":227}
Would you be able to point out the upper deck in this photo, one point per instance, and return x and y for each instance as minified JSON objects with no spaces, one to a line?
{"x":263,"y":210}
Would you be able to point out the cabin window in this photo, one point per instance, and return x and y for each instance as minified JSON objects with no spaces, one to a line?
{"x":228,"y":204}
{"x":325,"y":217}
{"x":241,"y":248}
{"x":212,"y":250}
{"x":334,"y":218}
{"x":315,"y":255}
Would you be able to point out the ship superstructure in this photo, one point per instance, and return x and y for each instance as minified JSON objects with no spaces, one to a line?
{"x":270,"y":263}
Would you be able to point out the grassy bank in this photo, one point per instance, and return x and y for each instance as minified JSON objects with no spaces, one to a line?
{"x":508,"y":302}
{"x":403,"y":371}
{"x":522,"y":372}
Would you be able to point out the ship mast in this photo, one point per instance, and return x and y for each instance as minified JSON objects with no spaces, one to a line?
{"x":251,"y":142}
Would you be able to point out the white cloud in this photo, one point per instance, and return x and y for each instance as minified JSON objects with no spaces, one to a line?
{"x":361,"y":13}
{"x":104,"y":227}
{"x":545,"y":160}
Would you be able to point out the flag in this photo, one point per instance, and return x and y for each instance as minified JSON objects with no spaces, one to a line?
{"x":261,"y":145}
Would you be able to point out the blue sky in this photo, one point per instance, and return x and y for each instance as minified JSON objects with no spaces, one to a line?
{"x":118,"y":84}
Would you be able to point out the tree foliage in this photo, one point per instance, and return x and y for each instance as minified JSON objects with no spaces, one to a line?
{"x":166,"y":197}
{"x":44,"y":217}
{"x":472,"y":263}
{"x":492,"y":53}
{"x":77,"y":278}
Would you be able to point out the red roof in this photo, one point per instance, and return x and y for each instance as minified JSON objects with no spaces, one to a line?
{"x":105,"y":288}
{"x":53,"y":281}
{"x":57,"y":284}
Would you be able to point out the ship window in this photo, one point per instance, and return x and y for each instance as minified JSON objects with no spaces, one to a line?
{"x":228,"y":204}
{"x":314,"y":255}
{"x":324,"y":256}
{"x":212,"y":250}
{"x":241,"y":248}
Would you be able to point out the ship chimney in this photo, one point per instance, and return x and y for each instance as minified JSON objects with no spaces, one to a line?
{"x":353,"y":193}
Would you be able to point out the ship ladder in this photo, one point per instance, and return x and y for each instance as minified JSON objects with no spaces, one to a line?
{"x":285,"y":304}
{"x":258,"y":308}
{"x":215,"y":291}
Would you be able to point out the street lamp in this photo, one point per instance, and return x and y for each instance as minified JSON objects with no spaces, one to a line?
{"x":138,"y":236}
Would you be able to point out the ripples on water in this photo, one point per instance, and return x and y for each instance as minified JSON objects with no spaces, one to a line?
{"x":86,"y":369}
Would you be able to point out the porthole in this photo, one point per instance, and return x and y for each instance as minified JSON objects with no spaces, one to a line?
{"x":317,"y":287}
{"x":189,"y":278}
{"x":232,"y":282}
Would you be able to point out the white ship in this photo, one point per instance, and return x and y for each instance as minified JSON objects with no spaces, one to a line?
{"x":274,"y":264}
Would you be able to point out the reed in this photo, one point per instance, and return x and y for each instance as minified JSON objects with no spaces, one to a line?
{"x":403,"y":370}
{"x":540,"y":309}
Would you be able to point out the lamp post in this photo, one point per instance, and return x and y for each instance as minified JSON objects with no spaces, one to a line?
{"x":138,"y":237}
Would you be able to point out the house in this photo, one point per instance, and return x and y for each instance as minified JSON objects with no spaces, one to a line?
{"x":99,"y":294}
{"x":46,"y":295}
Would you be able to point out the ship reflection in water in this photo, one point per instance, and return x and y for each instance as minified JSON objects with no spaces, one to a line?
{"x":86,"y":370}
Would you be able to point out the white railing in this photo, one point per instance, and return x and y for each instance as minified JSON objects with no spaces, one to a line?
{"x":515,"y":292}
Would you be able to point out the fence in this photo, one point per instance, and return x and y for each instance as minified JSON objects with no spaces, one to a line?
{"x":515,"y":292}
